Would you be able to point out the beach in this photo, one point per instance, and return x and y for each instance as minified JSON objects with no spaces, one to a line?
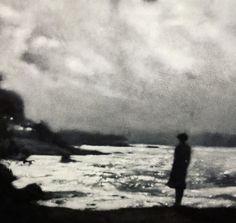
{"x":127,"y":185}
{"x":131,"y":177}
{"x":35,"y":213}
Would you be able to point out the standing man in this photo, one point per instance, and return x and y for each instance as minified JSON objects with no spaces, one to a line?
{"x":182,"y":156}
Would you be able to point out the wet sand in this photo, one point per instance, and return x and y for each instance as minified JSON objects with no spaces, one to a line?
{"x":34,"y":213}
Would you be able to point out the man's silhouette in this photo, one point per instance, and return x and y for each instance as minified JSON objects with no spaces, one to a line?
{"x":182,"y":156}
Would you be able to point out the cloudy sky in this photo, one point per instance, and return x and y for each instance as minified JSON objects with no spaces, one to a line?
{"x":119,"y":65}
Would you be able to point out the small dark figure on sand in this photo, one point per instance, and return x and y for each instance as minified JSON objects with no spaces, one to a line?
{"x":24,"y":158}
{"x":25,"y":161}
{"x":65,"y":158}
{"x":182,"y":156}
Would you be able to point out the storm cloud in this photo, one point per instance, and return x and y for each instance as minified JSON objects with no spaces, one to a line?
{"x":117,"y":65}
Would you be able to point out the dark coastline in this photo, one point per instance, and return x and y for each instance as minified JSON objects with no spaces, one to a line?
{"x":35,"y":213}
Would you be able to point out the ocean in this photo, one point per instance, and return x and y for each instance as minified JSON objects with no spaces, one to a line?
{"x":132,"y":176}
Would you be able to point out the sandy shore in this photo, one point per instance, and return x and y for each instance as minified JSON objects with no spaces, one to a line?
{"x":34,"y":213}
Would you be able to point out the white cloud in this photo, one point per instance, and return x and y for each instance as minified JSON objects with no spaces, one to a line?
{"x":76,"y":66}
{"x":122,"y":63}
{"x":43,"y":41}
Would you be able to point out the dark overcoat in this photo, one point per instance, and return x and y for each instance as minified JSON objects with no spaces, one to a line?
{"x":182,"y":156}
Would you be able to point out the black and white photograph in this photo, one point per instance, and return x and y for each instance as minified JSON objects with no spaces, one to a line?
{"x":117,"y":111}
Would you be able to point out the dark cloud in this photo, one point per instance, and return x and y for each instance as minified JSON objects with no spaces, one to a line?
{"x":151,"y":1}
{"x":1,"y":76}
{"x":115,"y":3}
{"x":36,"y":59}
{"x":190,"y":76}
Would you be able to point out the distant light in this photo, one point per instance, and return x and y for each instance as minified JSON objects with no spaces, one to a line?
{"x":20,"y":128}
{"x":28,"y":129}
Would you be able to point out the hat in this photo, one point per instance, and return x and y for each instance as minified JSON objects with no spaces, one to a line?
{"x":182,"y":137}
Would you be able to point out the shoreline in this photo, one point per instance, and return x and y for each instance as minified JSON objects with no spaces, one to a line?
{"x":37,"y":213}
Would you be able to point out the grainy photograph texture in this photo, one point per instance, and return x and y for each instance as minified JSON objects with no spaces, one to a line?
{"x":117,"y":111}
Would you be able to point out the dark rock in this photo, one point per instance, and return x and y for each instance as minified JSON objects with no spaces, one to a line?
{"x":31,"y":192}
